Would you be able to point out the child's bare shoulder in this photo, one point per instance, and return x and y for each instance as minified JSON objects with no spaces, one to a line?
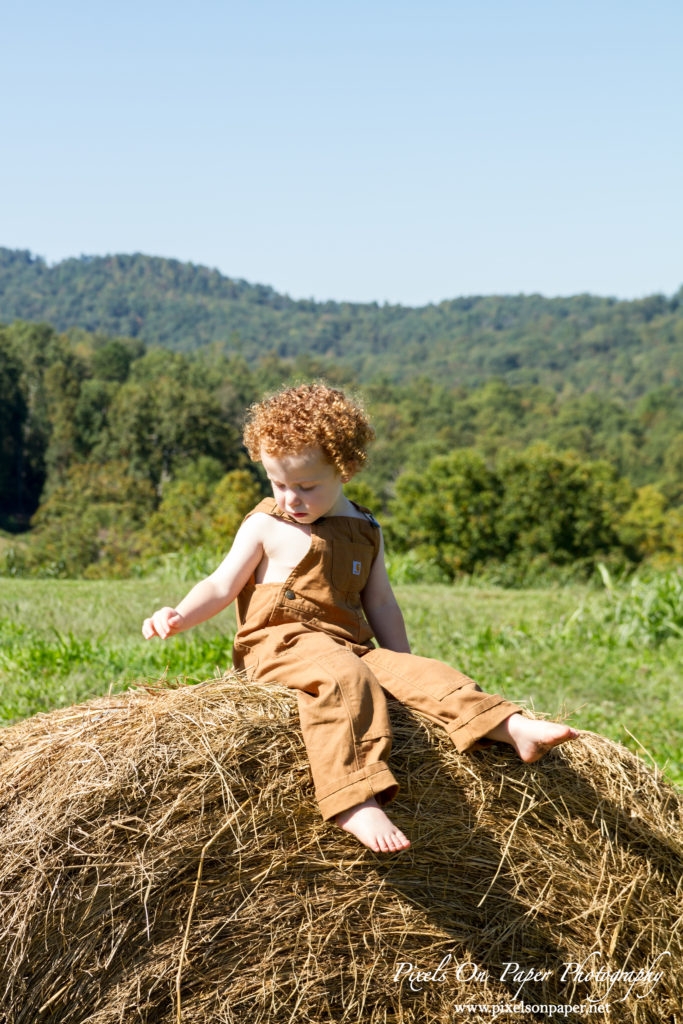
{"x":265,"y":526}
{"x":278,"y":536}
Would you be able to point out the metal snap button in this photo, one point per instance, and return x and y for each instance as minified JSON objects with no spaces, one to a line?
{"x":290,"y":595}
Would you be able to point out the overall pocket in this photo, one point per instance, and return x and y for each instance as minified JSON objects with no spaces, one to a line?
{"x":351,"y":565}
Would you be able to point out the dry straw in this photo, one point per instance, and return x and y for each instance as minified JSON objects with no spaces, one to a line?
{"x":163,"y":861}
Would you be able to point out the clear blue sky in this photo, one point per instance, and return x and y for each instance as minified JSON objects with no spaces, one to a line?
{"x":365,"y":150}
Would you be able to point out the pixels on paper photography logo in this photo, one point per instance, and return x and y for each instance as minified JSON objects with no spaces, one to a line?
{"x":607,"y":984}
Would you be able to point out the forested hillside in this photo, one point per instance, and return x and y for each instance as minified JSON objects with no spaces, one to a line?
{"x":568,"y":345}
{"x":115,"y":454}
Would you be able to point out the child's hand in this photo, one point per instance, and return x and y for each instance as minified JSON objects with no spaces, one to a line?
{"x":164,"y":623}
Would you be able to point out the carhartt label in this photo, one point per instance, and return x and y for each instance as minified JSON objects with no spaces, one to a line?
{"x":356,"y":568}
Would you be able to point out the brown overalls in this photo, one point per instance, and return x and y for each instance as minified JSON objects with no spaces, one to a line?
{"x":310,"y":633}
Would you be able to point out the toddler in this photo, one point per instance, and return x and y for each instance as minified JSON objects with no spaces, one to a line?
{"x":307,"y":571}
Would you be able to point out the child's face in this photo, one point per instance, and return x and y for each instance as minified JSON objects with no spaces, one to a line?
{"x":306,"y":485}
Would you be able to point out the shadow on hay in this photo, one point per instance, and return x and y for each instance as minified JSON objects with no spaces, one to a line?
{"x":487,"y":920}
{"x":499,"y":919}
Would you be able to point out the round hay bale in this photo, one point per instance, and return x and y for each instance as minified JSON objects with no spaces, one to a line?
{"x":163,"y":860}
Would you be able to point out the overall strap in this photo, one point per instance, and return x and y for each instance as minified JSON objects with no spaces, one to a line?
{"x":269,"y":507}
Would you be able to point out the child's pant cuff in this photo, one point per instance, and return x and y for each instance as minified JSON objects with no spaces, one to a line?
{"x":488,"y":713}
{"x":375,"y":780}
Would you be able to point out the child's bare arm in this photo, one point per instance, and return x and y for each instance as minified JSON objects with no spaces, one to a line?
{"x":217,"y":591}
{"x":381,"y":608}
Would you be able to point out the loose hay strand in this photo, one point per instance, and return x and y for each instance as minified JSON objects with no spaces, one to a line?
{"x":181,"y":960}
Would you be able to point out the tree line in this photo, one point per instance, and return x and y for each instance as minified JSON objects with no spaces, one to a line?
{"x":113,"y":453}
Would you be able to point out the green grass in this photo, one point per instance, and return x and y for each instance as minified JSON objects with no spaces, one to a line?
{"x":62,"y":641}
{"x":608,"y":660}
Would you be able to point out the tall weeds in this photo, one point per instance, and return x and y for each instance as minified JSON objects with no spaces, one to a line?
{"x":642,"y":610}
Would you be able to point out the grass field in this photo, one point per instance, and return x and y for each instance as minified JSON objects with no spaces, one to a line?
{"x":608,"y":660}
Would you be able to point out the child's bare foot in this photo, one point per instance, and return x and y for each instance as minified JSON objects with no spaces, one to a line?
{"x":531,"y":737}
{"x":369,"y":823}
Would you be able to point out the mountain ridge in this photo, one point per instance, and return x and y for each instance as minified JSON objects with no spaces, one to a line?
{"x":633,"y":345}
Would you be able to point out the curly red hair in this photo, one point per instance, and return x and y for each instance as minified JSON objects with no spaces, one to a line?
{"x":310,"y":414}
